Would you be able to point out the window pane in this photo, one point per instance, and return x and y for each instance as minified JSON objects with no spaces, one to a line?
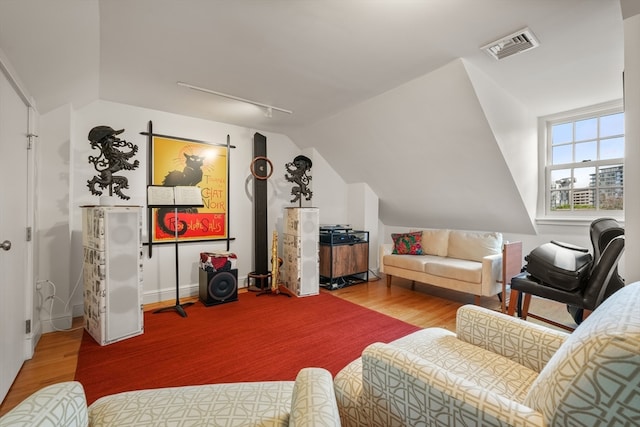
{"x":584,"y":177}
{"x":585,"y":148}
{"x":611,"y":176}
{"x":612,"y":125}
{"x":612,"y":148}
{"x":561,"y":178}
{"x":586,"y":129}
{"x":611,"y":199}
{"x":586,"y":151}
{"x":561,"y":155}
{"x":584,"y":199}
{"x":560,"y":200}
{"x":562,"y":133}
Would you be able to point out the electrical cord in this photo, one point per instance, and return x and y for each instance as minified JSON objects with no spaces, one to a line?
{"x":54,"y":297}
{"x":374,"y":274}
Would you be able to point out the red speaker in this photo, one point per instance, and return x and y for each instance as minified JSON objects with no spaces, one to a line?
{"x":218,"y":287}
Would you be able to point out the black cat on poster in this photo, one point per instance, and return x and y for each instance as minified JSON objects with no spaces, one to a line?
{"x":190,"y":175}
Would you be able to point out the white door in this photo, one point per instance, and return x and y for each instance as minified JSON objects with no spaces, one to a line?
{"x":14,"y":122}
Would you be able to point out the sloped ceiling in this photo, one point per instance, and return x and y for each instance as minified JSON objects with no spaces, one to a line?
{"x":326,"y":60}
{"x":439,"y":164}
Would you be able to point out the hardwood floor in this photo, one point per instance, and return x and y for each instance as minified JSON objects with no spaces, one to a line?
{"x":56,"y":355}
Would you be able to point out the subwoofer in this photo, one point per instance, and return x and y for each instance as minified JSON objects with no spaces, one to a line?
{"x":218,"y":287}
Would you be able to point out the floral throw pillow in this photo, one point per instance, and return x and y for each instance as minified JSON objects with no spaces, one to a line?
{"x":407,"y":243}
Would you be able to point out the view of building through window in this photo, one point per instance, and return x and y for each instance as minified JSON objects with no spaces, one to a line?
{"x":586,"y":163}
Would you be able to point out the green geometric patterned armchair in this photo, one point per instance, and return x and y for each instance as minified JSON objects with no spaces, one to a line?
{"x":498,"y":370}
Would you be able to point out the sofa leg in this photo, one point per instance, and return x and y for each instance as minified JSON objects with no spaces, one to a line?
{"x":476,"y":299}
{"x":388,"y":280}
{"x":413,"y":285}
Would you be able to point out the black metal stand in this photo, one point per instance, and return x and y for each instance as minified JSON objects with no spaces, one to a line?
{"x":179,"y":307}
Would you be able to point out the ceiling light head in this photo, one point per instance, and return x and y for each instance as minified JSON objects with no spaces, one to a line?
{"x":518,"y":42}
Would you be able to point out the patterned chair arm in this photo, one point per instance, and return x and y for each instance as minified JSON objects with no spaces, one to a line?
{"x":313,"y":402}
{"x":400,"y":388}
{"x":523,"y":342}
{"x":58,"y":405}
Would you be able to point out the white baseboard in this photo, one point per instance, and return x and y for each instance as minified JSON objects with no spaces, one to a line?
{"x":192,"y":290}
{"x":170,"y":294}
{"x":57,"y":323}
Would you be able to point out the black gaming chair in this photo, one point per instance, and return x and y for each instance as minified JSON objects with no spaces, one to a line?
{"x":586,"y":298}
{"x":601,"y":232}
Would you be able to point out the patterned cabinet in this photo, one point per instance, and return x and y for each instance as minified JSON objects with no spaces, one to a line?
{"x":300,"y":269}
{"x":112,"y":270}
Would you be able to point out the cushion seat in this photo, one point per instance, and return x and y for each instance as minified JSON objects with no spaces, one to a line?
{"x":483,"y":367}
{"x":410,"y":262}
{"x":450,"y":268}
{"x":453,"y":268}
{"x":240,"y":404}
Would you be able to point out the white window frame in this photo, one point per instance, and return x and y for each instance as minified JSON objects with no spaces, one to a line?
{"x":545,"y":214}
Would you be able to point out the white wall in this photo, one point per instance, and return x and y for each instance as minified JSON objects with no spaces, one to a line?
{"x":427,"y":149}
{"x":514,"y":128}
{"x":53,"y":235}
{"x":363,"y":215}
{"x":329,"y":190}
{"x":64,"y":172}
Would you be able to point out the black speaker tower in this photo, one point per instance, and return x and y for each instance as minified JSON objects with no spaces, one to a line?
{"x":261,"y":243}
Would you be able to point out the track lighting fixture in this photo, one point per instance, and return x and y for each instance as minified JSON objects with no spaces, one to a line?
{"x":268,"y":108}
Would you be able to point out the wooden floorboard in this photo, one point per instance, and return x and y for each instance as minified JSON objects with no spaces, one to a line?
{"x":56,"y":355}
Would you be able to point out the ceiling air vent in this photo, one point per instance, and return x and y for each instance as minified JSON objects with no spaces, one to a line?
{"x":520,"y":41}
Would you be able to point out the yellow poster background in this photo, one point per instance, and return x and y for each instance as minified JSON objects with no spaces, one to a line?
{"x":180,"y":162}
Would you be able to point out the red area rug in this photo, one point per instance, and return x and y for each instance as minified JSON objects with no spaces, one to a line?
{"x":257,"y":338}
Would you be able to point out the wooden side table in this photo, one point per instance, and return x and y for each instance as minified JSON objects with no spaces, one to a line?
{"x":511,"y":266}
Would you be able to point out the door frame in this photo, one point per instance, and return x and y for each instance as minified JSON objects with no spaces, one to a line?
{"x":31,"y":338}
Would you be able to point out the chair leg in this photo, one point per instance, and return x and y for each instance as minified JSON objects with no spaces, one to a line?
{"x":413,"y":285}
{"x":513,"y":300}
{"x":525,"y":306}
{"x":388,"y":280}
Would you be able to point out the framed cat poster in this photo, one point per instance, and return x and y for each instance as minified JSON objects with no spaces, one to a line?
{"x":184,"y":162}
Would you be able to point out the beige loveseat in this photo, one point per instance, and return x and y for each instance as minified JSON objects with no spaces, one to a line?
{"x":309,"y":401}
{"x":498,"y":370}
{"x":465,"y":261}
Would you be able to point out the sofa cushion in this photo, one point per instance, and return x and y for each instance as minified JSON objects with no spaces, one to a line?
{"x":409,"y":262}
{"x":435,"y":242}
{"x":452,"y":268}
{"x":407,"y":243}
{"x":477,"y":365}
{"x":473,"y":245}
{"x":232,"y":404}
{"x":599,"y":360}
